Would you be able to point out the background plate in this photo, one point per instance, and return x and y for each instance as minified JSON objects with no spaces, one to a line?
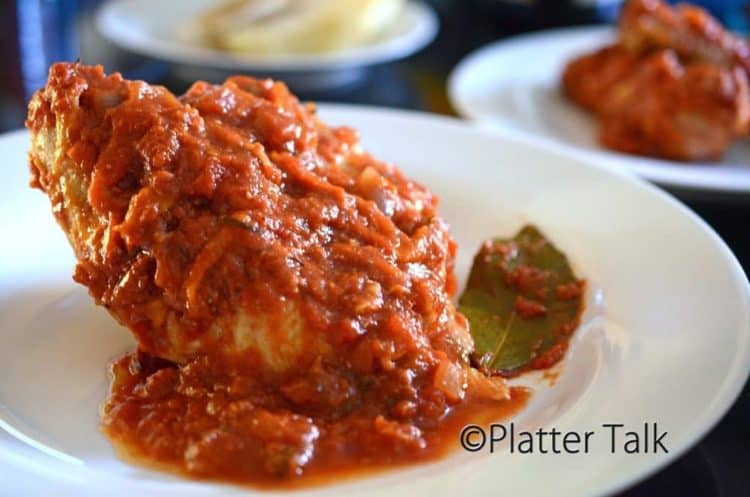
{"x":149,"y":28}
{"x":513,"y":85}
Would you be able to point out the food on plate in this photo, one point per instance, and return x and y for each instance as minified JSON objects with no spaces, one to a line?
{"x":283,"y":27}
{"x":686,"y":29}
{"x":523,"y":303}
{"x":290,"y":295}
{"x":674,"y":85}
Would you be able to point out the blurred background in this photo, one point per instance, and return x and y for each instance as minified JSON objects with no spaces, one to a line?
{"x":34,"y":33}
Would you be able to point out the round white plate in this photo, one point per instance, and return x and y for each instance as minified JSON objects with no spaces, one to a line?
{"x":666,"y":339}
{"x":150,"y":28}
{"x":514,"y":85}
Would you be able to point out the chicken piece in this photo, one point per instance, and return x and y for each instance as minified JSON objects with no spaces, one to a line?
{"x":588,"y":79}
{"x":656,"y":106}
{"x":673,"y":86}
{"x":665,"y":109}
{"x":230,"y":223}
{"x":647,"y":25}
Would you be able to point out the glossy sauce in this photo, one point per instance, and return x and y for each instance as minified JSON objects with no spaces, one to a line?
{"x":191,"y":421}
{"x":289,"y":293}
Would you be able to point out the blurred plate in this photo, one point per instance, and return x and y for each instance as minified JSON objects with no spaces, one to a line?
{"x":513,"y":85}
{"x":669,"y":342}
{"x":150,"y":27}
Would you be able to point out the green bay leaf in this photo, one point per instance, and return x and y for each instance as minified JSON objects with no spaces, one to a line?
{"x":523,"y":302}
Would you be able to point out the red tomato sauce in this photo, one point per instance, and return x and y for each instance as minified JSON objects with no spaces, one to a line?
{"x":203,"y":422}
{"x":291,"y":296}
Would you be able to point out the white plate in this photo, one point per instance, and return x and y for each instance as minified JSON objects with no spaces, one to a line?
{"x":670,"y":343}
{"x":514,"y":85}
{"x":149,"y":28}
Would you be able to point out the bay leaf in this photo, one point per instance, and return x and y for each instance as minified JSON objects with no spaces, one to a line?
{"x":523,"y":303}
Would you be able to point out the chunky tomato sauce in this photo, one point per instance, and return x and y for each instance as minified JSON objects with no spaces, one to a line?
{"x":290,"y":294}
{"x":203,"y":421}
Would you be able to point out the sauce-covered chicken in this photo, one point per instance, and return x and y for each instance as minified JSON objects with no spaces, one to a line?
{"x":675,"y":85}
{"x":290,"y":295}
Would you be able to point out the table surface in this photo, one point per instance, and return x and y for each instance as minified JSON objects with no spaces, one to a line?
{"x":720,"y":464}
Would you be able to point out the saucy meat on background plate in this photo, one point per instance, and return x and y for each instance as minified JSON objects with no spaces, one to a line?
{"x":291,"y":296}
{"x":674,"y":85}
